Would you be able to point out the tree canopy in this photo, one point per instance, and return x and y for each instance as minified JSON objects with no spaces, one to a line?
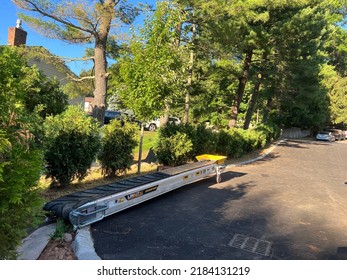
{"x":235,"y":63}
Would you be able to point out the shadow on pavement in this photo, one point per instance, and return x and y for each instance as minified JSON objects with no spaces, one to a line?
{"x":187,"y":223}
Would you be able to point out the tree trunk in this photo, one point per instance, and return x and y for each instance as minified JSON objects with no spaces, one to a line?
{"x":267,"y":110}
{"x":100,"y":84}
{"x":241,"y":89}
{"x":100,"y":62}
{"x":253,"y":102}
{"x":165,"y":118}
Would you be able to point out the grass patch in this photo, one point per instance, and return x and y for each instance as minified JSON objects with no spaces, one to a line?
{"x":148,"y":142}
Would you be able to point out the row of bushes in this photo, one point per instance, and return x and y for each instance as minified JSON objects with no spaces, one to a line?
{"x":178,"y":144}
{"x":74,"y":140}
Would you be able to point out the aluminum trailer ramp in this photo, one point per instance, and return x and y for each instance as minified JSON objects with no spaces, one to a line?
{"x":85,"y":207}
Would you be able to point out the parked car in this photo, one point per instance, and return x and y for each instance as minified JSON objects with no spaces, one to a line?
{"x":325,"y":136}
{"x":154,"y":124}
{"x":111,"y":115}
{"x":338,"y":133}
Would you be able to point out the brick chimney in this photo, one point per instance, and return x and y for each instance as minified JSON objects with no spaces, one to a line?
{"x":16,"y":35}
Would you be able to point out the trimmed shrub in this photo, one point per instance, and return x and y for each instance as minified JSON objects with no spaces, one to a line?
{"x":72,"y":142}
{"x":118,"y":143}
{"x":173,"y":150}
{"x":205,"y":140}
{"x":237,"y":142}
{"x":223,"y":141}
{"x":178,"y":144}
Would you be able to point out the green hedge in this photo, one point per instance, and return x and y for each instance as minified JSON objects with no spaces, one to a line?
{"x":178,"y":144}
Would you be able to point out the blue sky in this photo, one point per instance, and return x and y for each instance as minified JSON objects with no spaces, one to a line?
{"x":8,"y":17}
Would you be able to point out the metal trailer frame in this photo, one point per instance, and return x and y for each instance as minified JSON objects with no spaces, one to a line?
{"x":170,"y":179}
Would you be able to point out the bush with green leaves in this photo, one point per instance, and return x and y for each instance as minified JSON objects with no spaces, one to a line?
{"x":173,"y":150}
{"x":205,"y":140}
{"x":72,"y":141}
{"x":118,"y":143}
{"x":237,"y":142}
{"x":20,"y":156}
{"x":178,"y":144}
{"x":271,"y":132}
{"x":20,"y":203}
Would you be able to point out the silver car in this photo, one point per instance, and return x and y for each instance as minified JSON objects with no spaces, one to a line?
{"x":325,"y":136}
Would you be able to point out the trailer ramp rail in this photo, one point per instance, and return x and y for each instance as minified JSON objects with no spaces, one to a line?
{"x":86,"y":207}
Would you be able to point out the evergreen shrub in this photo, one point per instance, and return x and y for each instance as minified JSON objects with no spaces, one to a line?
{"x":205,"y":140}
{"x":173,"y":150}
{"x":117,"y":145}
{"x":237,"y":142}
{"x":178,"y":144}
{"x":72,"y":141}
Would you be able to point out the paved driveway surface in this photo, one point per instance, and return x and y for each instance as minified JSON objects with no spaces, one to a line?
{"x":290,"y":205}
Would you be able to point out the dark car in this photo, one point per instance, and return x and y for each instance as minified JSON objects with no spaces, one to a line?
{"x":111,"y":115}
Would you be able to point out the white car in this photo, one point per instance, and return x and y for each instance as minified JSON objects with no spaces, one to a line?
{"x":154,"y":124}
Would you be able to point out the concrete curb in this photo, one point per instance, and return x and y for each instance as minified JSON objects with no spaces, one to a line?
{"x":33,"y":245}
{"x":258,"y":158}
{"x":83,"y":245}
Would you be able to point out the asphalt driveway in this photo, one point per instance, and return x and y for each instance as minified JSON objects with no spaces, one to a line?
{"x":290,"y":205}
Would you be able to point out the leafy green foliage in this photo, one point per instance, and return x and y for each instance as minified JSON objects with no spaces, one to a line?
{"x":43,"y":94}
{"x":20,"y":203}
{"x":150,"y":76}
{"x":20,"y":156}
{"x":61,"y":228}
{"x":72,"y":142}
{"x":173,"y":150}
{"x":178,"y":144}
{"x":205,"y":140}
{"x":118,"y":143}
{"x":237,"y":142}
{"x":338,"y":102}
{"x":30,"y":88}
